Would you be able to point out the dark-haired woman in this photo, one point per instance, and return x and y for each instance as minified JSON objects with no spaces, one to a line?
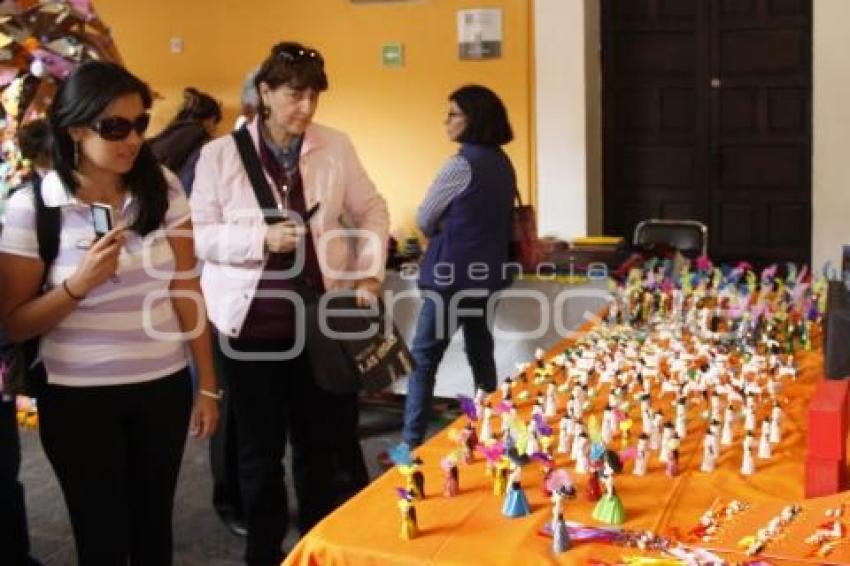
{"x":178,"y":146}
{"x":114,"y":318}
{"x":248,"y":272}
{"x":467,"y":217}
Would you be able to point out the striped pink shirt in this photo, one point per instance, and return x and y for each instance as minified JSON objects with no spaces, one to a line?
{"x":125,"y":330}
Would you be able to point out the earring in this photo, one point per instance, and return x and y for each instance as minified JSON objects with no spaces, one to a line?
{"x":265,"y":112}
{"x":76,"y":155}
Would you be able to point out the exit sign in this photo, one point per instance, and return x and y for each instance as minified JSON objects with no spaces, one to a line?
{"x":392,"y":55}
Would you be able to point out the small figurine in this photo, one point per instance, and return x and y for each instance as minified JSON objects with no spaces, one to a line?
{"x":480,"y":401}
{"x":608,"y":424}
{"x":469,"y":440}
{"x":500,"y":477}
{"x":715,"y":405}
{"x":537,"y":408}
{"x":765,"y":452}
{"x":409,"y":524}
{"x":516,"y":503}
{"x":776,"y":423}
{"x":748,"y":464}
{"x":668,"y":433}
{"x":655,"y":431}
{"x":709,"y":451}
{"x":592,"y":489}
{"x":728,"y":422}
{"x":673,"y":456}
{"x":451,"y":485}
{"x":418,"y":479}
{"x":565,"y":435}
{"x":486,"y":431}
{"x":610,"y":508}
{"x":408,"y":466}
{"x":750,"y":413}
{"x":641,"y":456}
{"x":550,"y":409}
{"x":581,"y":447}
{"x":682,"y":416}
{"x":645,"y":413}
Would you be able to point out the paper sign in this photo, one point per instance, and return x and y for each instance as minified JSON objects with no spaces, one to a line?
{"x":479,"y":33}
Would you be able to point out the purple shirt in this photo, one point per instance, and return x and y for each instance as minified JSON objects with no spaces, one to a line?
{"x":125,"y":330}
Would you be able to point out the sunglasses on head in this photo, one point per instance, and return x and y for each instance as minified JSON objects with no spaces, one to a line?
{"x":297,"y":54}
{"x":117,"y":128}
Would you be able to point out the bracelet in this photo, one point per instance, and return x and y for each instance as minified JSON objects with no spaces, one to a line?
{"x":217,"y":395}
{"x":70,"y":294}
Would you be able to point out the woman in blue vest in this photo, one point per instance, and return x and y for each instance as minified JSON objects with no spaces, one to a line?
{"x":467,"y":218}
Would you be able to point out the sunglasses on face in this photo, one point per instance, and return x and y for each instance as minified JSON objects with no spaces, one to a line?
{"x":295,"y":55}
{"x":117,"y":128}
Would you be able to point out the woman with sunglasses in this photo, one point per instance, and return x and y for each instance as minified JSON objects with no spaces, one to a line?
{"x":247,"y":262}
{"x":114,"y":316}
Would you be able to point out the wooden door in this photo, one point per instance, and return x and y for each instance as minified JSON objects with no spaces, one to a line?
{"x":760,"y":108}
{"x":706,"y":116}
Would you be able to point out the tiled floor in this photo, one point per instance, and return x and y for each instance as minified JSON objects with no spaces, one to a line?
{"x":200,"y":538}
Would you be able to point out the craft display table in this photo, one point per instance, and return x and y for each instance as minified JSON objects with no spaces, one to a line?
{"x":470,"y":529}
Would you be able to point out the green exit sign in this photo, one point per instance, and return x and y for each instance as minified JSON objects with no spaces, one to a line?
{"x":392,"y":54}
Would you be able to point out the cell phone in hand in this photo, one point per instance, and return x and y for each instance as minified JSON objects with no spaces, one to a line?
{"x":311,"y":212}
{"x":101,"y":217}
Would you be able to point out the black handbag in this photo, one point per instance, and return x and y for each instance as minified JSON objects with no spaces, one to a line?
{"x":25,"y":374}
{"x":350,"y":348}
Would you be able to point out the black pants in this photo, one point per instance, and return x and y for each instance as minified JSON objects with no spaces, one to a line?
{"x":273,"y":400}
{"x":116,"y":451}
{"x":14,"y":537}
{"x":224,"y":461}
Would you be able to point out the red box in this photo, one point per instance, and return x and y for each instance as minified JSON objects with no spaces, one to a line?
{"x":825,"y":477}
{"x":827,"y":421}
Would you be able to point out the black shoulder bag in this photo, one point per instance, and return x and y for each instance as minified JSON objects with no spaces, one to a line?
{"x":25,"y":374}
{"x":341,"y":366}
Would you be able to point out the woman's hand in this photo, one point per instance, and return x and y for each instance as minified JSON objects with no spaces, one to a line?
{"x":283,"y":236}
{"x":368,"y":291}
{"x":204,"y":417}
{"x":99,"y":264}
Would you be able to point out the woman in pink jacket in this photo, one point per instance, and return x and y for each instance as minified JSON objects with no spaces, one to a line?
{"x":248,"y":279}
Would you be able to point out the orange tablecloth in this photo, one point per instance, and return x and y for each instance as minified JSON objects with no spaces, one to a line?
{"x":470,"y":529}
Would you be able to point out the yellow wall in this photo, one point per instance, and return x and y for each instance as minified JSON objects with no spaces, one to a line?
{"x":394,"y":116}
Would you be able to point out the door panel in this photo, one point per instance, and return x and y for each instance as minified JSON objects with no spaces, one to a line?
{"x":654,"y":163}
{"x":707,"y":115}
{"x":760,"y":115}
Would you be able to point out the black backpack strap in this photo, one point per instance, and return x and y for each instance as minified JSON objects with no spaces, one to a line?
{"x":254,"y":167}
{"x":48,"y":222}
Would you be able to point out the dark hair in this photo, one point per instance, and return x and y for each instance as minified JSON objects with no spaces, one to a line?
{"x":78,"y":102}
{"x":34,"y":140}
{"x":197,"y":106}
{"x":613,"y":460}
{"x":486,"y":118}
{"x":292,"y":64}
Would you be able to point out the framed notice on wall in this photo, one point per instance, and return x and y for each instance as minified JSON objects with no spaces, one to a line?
{"x":479,"y":33}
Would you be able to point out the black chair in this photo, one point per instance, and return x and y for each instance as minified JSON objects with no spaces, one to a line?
{"x":690,"y":237}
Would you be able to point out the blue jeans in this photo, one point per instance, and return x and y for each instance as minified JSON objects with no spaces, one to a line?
{"x":429,"y":345}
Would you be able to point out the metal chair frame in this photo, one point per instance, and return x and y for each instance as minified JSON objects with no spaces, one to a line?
{"x":689,"y":224}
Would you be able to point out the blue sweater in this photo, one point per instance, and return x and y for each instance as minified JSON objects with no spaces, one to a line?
{"x":469,"y":247}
